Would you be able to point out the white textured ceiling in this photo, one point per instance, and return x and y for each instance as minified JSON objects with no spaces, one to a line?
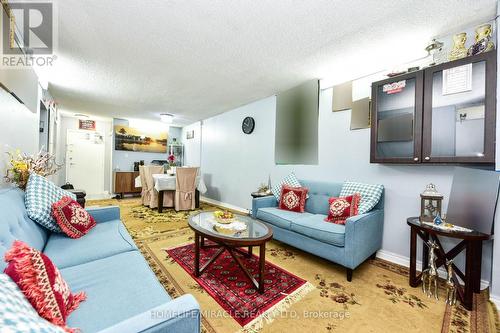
{"x":195,"y":59}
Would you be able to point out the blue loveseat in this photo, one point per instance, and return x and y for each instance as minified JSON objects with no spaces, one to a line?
{"x":348,"y":245}
{"x":123,"y":294}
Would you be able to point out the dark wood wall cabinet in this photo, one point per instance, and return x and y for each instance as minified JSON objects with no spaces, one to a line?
{"x":441,"y":114}
{"x":125,"y":182}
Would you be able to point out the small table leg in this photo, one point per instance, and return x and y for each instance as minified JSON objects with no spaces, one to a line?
{"x":160,"y":201}
{"x":202,"y":241}
{"x":249,"y":251}
{"x":478,"y":254}
{"x":413,"y":257}
{"x":469,"y":275}
{"x":262,"y":263}
{"x":196,"y":255}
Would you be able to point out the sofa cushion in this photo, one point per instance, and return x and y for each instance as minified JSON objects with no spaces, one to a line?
{"x":319,"y":193}
{"x":41,"y":193}
{"x":279,"y":217}
{"x":41,"y":283}
{"x":293,"y":198}
{"x":15,"y":223}
{"x":104,"y":240}
{"x":290,"y":180}
{"x":315,"y":227}
{"x":117,"y":287}
{"x":16,"y":313}
{"x":342,"y":208}
{"x":72,"y":218}
{"x":370,"y":194}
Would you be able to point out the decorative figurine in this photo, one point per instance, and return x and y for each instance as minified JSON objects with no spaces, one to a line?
{"x":434,"y":50}
{"x":458,"y":51}
{"x":430,"y":275}
{"x":438,"y":220}
{"x":483,"y":40}
{"x":451,"y":289}
{"x":430,"y":203}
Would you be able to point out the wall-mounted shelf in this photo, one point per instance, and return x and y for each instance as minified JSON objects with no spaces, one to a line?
{"x":441,"y":114}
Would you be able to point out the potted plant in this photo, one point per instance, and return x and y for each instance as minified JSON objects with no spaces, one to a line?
{"x":21,"y":165}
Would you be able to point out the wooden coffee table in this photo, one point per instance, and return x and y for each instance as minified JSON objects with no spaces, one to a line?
{"x":255,"y":234}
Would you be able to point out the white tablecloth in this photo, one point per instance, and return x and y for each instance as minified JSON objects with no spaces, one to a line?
{"x":165,"y":182}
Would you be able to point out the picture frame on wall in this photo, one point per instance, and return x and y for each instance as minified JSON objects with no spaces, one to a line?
{"x":190,"y":134}
{"x":86,"y":124}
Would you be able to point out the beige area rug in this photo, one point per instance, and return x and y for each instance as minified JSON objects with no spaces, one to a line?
{"x":378,"y":299}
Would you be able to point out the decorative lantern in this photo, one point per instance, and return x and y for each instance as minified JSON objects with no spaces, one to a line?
{"x":430,"y":205}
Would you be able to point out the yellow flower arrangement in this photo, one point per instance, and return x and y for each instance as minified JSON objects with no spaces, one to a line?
{"x":20,"y":166}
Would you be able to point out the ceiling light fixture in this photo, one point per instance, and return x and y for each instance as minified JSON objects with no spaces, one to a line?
{"x":81,"y":115}
{"x":166,"y":117}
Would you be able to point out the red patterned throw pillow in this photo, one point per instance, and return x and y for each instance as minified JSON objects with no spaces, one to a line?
{"x":342,"y":208}
{"x":42,"y":284}
{"x":293,"y":198}
{"x":73,"y":219}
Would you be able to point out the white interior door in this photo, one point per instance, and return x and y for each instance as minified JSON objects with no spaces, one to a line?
{"x":85,"y":162}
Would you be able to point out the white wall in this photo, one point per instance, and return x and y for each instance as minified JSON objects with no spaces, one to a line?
{"x":192,"y":147}
{"x":234,"y":164}
{"x":18,"y":122}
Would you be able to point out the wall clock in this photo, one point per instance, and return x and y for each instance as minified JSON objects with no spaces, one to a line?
{"x":248,"y":125}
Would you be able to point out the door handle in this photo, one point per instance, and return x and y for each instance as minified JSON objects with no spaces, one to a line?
{"x":427,"y":158}
{"x":415,"y":159}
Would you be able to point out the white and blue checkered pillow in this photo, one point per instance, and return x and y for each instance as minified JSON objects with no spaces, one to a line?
{"x":290,"y":180}
{"x":41,"y":193}
{"x":16,"y":313}
{"x":370,"y":194}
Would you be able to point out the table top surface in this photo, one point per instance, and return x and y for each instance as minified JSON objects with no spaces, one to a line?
{"x":467,"y":235}
{"x":254,"y":230}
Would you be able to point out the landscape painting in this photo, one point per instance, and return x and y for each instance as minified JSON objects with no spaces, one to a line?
{"x":132,"y":139}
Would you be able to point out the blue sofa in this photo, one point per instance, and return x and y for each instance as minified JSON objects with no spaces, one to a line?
{"x":123,"y":294}
{"x":348,"y":245}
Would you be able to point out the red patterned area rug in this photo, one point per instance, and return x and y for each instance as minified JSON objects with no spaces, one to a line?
{"x":230,"y":287}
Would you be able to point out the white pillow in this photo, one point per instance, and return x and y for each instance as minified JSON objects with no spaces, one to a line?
{"x":16,"y":313}
{"x":370,"y":194}
{"x":290,"y":180}
{"x":41,"y":193}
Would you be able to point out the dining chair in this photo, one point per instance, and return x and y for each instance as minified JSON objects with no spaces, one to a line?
{"x":185,"y":187}
{"x":168,"y":197}
{"x":144,"y":192}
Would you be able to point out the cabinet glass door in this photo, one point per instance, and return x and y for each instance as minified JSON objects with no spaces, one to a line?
{"x":455,"y":113}
{"x":396,"y":133}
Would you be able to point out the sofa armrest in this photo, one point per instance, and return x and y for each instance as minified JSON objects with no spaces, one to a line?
{"x":262,"y":202}
{"x":363,"y":237}
{"x":104,"y":214}
{"x":180,"y":315}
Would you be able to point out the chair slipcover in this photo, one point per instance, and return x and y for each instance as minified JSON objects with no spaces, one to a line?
{"x":185,"y":187}
{"x":144,"y":192}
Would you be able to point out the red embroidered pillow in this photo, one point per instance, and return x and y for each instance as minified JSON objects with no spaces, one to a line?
{"x":41,"y":283}
{"x":343,"y":208}
{"x":293,"y":198}
{"x":73,"y":219}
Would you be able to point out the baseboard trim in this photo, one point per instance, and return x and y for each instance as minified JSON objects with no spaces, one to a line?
{"x":405,"y":261}
{"x":496,"y":300}
{"x":224,"y":205}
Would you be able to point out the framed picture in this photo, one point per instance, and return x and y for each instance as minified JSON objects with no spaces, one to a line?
{"x":86,"y":124}
{"x":190,"y":134}
{"x":132,"y":139}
